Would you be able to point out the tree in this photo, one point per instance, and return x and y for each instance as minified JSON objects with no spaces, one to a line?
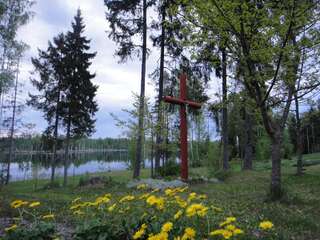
{"x":78,"y":103}
{"x":49,"y":66}
{"x":261,"y":40}
{"x":13,"y":14}
{"x":128,"y":20}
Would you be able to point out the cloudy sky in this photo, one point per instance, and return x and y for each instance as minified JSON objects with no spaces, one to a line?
{"x":116,"y":81}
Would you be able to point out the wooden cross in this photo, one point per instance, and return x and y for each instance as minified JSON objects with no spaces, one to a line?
{"x":183,"y":102}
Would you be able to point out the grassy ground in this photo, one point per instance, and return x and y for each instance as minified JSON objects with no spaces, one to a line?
{"x":242,"y":194}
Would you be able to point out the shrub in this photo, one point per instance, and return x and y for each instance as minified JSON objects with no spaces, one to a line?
{"x":170,"y":168}
{"x":38,"y":231}
{"x":52,"y":185}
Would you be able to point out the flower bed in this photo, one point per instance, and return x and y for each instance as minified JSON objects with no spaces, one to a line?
{"x":175,"y":214}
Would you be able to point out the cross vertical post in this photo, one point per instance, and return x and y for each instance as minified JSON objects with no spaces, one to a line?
{"x":183,"y":129}
{"x":183,"y":102}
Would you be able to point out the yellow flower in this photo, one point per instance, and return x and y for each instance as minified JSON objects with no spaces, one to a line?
{"x":11,"y":228}
{"x":76,"y":206}
{"x":182,"y":189}
{"x":76,"y":200}
{"x":78,"y":212}
{"x":138,"y":234}
{"x":227,"y":234}
{"x":228,"y":221}
{"x":159,"y":236}
{"x":181,"y":202}
{"x":167,"y":227}
{"x":170,"y":192}
{"x":127,"y":198}
{"x":223,"y":232}
{"x":202,"y":196}
{"x":192,"y":196}
{"x":196,"y":209}
{"x":112,"y":207}
{"x":237,"y":231}
{"x":216,"y":208}
{"x":142,"y":186}
{"x":217,"y":232}
{"x":189,"y":234}
{"x":18,"y":203}
{"x":101,"y":200}
{"x":178,"y":215}
{"x":265,"y":225}
{"x":156,"y":201}
{"x":48,"y":216}
{"x":34,"y":204}
{"x":230,"y":227}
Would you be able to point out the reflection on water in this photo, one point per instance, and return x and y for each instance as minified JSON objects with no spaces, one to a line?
{"x":38,"y":166}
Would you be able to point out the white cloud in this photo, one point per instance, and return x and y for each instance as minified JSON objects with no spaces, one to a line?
{"x":116,"y":81}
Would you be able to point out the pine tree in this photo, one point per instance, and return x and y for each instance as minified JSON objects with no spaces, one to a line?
{"x":49,"y":66}
{"x":78,"y":103}
{"x":128,"y":20}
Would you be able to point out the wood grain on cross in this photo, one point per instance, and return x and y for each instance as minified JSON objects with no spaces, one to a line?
{"x":183,"y":102}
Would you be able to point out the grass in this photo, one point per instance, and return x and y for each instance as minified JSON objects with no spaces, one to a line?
{"x":242,"y":194}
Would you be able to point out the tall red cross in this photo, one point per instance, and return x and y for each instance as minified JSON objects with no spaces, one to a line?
{"x":183,"y":102}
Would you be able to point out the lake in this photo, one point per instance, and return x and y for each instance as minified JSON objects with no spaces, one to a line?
{"x":38,"y":166}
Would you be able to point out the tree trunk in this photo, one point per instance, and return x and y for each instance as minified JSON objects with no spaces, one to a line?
{"x":66,"y":154}
{"x":159,"y":138}
{"x":136,"y":172}
{"x":12,"y":127}
{"x":275,"y":188}
{"x":299,"y":138}
{"x":55,"y":136}
{"x":248,"y":151}
{"x":152,"y":154}
{"x":225,"y":153}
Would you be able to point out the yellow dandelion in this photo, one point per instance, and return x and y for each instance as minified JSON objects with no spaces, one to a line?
{"x":48,"y":216}
{"x":167,"y":227}
{"x":266,"y":225}
{"x":34,"y":204}
{"x":11,"y":228}
{"x":178,"y":215}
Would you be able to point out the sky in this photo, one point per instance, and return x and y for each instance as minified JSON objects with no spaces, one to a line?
{"x":117,"y":82}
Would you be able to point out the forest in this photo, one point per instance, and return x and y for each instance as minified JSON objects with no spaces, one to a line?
{"x":232,"y":153}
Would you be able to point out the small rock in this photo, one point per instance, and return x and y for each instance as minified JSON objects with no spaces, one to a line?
{"x":214,"y":180}
{"x":157,"y":183}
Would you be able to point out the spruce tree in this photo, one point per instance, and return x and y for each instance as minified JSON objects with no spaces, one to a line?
{"x":78,"y":103}
{"x":49,"y":66}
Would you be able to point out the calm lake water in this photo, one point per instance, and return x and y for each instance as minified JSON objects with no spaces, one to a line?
{"x":38,"y":167}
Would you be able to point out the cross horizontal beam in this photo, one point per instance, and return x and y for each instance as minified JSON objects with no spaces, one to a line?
{"x":180,"y":101}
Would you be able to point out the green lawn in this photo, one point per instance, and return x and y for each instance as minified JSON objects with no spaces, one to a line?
{"x":242,"y":194}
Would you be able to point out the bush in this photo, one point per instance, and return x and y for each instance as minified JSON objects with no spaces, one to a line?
{"x":170,"y":168}
{"x":213,"y":157}
{"x":263,"y":148}
{"x":39,"y":231}
{"x":52,"y":185}
{"x":86,"y":180}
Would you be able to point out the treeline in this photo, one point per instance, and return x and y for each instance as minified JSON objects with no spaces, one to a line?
{"x":37,"y":143}
{"x":310,"y":129}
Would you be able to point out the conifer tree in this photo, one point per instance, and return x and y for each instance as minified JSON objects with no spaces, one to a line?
{"x":78,"y":103}
{"x":128,"y":21}
{"x":49,"y":66}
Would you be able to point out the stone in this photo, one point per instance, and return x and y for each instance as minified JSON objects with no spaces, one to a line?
{"x":157,"y":183}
